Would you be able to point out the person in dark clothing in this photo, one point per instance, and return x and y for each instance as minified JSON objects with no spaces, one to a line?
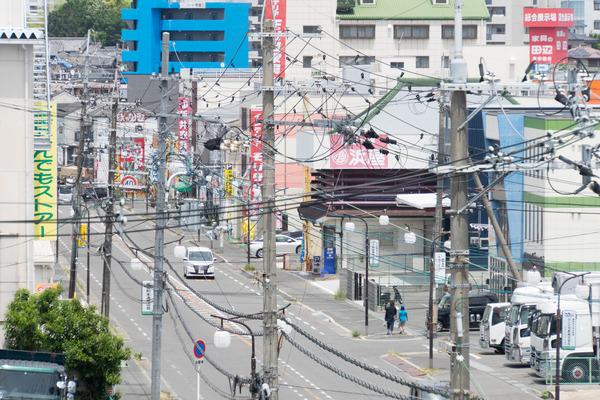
{"x":390,"y":317}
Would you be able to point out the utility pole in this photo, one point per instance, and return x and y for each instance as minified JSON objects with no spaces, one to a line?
{"x":437,"y":226}
{"x":110,"y":215}
{"x":271,"y":374}
{"x":159,"y":238}
{"x":83,"y":127}
{"x":459,"y":254}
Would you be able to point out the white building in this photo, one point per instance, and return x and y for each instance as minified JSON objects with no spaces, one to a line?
{"x":17,"y":154}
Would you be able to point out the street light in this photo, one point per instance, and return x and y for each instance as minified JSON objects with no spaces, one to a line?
{"x":559,"y":337}
{"x":222,"y":339}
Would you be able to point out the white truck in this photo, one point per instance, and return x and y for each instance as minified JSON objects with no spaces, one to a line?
{"x":578,"y":359}
{"x":517,"y":334}
{"x":493,"y":325}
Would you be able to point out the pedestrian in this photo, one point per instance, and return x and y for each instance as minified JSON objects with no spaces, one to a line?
{"x":402,"y":318}
{"x":390,"y":316}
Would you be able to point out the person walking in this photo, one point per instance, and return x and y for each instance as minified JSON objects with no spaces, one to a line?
{"x":390,"y":317}
{"x":402,"y":318}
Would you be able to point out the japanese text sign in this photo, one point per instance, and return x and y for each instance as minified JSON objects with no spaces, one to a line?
{"x":357,"y":156}
{"x":276,"y":10}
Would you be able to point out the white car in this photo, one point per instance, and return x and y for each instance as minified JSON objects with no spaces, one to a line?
{"x":199,"y":261}
{"x":65,"y":195}
{"x":283,"y":245}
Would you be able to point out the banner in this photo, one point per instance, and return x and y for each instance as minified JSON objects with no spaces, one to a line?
{"x":44,"y":186}
{"x":184,"y":110}
{"x":256,"y":155}
{"x":228,"y":180}
{"x":548,"y":33}
{"x":276,"y":10}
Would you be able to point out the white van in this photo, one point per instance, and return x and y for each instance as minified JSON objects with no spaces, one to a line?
{"x":199,"y":261}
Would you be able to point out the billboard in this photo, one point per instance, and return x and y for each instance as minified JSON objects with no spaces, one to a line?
{"x":548,"y":33}
{"x":356,"y":156}
{"x":256,"y":154}
{"x":184,"y":110}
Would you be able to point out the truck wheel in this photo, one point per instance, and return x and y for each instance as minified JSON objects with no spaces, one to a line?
{"x":576,"y":371}
{"x":501,"y":349}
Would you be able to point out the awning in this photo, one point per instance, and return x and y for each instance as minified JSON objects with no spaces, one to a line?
{"x":43,"y":253}
{"x":420,"y":200}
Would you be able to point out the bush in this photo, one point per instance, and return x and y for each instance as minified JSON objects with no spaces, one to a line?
{"x":249,"y":267}
{"x":45,"y":323}
{"x":339,"y":295}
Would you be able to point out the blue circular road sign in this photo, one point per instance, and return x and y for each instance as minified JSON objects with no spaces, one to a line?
{"x":199,"y":349}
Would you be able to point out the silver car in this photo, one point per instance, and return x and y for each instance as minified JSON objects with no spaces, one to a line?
{"x":283,"y":245}
{"x":199,"y":261}
{"x":65,"y":195}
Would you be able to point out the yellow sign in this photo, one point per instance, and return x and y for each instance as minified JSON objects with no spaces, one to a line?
{"x":228,"y":180}
{"x":44,"y":190}
{"x":82,"y":239}
{"x":40,"y":287}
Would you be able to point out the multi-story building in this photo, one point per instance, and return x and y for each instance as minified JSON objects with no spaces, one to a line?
{"x":17,"y":156}
{"x":203,"y":35}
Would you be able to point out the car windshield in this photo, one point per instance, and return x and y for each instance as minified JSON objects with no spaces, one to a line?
{"x":445,"y":301}
{"x":513,"y":315}
{"x":486,"y":314}
{"x":200,"y":256}
{"x":499,"y":315}
{"x":525,"y":311}
{"x":64,"y":190}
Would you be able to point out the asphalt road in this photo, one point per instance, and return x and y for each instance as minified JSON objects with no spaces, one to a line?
{"x":187,"y":319}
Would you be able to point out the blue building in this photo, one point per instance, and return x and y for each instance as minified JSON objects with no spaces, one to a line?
{"x":209,"y":35}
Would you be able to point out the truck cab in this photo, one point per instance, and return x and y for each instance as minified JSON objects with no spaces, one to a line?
{"x":492,"y":327}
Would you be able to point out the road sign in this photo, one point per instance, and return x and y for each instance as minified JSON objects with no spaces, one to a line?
{"x":147,"y":297}
{"x":439,"y":263}
{"x":199,"y":349}
{"x":374,"y":253}
{"x":129,"y":180}
{"x":82,"y":239}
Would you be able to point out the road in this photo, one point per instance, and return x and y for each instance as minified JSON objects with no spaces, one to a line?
{"x":311,"y":307}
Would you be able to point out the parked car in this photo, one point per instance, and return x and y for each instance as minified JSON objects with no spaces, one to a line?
{"x":298,"y":235}
{"x":477,"y":302}
{"x":65,"y":195}
{"x":283,"y":245}
{"x":199,"y":261}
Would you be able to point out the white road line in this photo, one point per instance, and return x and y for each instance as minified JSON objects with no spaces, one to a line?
{"x":475,"y":357}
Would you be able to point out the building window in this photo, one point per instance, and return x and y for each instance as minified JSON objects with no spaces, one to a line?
{"x":356,"y":60}
{"x":440,"y":2}
{"x":370,"y":2}
{"x":411,"y":31}
{"x":357,"y":31}
{"x":445,"y":62}
{"x":422,"y":62}
{"x":310,"y":29}
{"x":596,"y":24}
{"x":189,"y":36}
{"x":500,"y":11}
{"x":593,"y":63}
{"x":397,"y":64}
{"x":596,"y":5}
{"x":307,"y":62}
{"x":496,"y":29}
{"x":468,"y":31}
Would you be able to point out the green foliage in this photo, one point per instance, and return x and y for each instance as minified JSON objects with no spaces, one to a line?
{"x":46,"y":323}
{"x":249,"y":267}
{"x":355,"y":333}
{"x":73,"y":18}
{"x":339,"y":295}
{"x":597,"y":37}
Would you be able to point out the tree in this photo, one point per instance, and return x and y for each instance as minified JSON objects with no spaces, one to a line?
{"x":73,"y":18}
{"x":46,"y":323}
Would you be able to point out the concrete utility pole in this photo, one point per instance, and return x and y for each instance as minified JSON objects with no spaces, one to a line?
{"x":459,"y":253}
{"x":107,"y":248}
{"x":83,"y":127}
{"x":271,"y":374}
{"x":159,"y":238}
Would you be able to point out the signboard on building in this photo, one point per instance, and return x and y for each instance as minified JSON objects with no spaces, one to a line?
{"x":40,"y":287}
{"x":276,"y":10}
{"x":44,"y":186}
{"x":374,"y":253}
{"x":548,"y":33}
{"x":356,"y":156}
{"x":131,"y":117}
{"x":184,"y":110}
